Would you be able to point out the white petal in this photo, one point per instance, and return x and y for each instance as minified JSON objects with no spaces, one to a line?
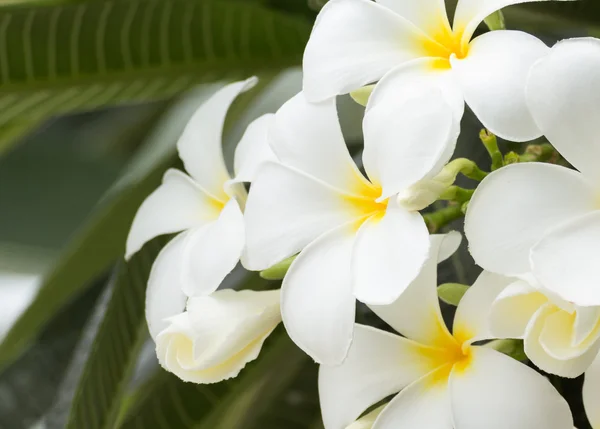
{"x":164,"y":296}
{"x":536,"y":352}
{"x":176,"y":205}
{"x":587,"y":320}
{"x":416,"y":314}
{"x":470,"y":13}
{"x":423,"y":404}
{"x":591,"y":394}
{"x":450,"y":243}
{"x":471,"y":322}
{"x":513,"y":309}
{"x":557,"y":337}
{"x":353,"y":43}
{"x":388,"y":255}
{"x":497,"y":392}
{"x":414,"y":78}
{"x":307,"y":136}
{"x":218,"y":335}
{"x":493,"y":77}
{"x":401,"y":146}
{"x":513,"y":207}
{"x":428,"y":15}
{"x":366,"y":421}
{"x":285,"y":211}
{"x":253,"y":149}
{"x":378,"y":364}
{"x":212,"y":251}
{"x":575,"y":247}
{"x":200,"y":145}
{"x":563,"y":93}
{"x":316,"y":297}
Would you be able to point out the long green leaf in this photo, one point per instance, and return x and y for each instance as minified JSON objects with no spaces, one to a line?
{"x":69,"y":58}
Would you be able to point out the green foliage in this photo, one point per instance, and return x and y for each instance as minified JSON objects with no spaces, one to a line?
{"x":452,"y":293}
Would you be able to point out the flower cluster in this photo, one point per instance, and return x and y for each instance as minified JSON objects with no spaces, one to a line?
{"x":534,"y":227}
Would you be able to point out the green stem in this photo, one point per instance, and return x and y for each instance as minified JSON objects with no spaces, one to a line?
{"x":440,"y":218}
{"x":491,"y":144}
{"x":466,"y":167}
{"x":458,"y":194}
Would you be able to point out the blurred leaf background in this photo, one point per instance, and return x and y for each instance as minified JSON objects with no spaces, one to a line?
{"x":93,"y":95}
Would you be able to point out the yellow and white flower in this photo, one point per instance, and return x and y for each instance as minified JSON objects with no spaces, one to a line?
{"x":201,"y":335}
{"x":544,"y":218}
{"x":358,"y":238}
{"x":402,"y":43}
{"x":444,"y":380}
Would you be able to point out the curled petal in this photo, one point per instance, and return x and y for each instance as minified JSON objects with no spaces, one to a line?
{"x":253,"y":149}
{"x":428,"y":15}
{"x":493,"y":76}
{"x":218,"y":334}
{"x":176,"y":205}
{"x":495,"y":391}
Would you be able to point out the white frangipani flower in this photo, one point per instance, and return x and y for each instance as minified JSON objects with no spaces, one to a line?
{"x":543,"y":218}
{"x":445,"y":382}
{"x":560,"y":338}
{"x":217,"y":335}
{"x":591,"y":394}
{"x":356,"y":239}
{"x":401,"y":43}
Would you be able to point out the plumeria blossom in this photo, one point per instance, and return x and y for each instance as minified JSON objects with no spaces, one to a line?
{"x":204,"y":338}
{"x":591,"y":394}
{"x":560,"y":338}
{"x":358,"y":238}
{"x":545,"y":218}
{"x":401,"y":43}
{"x":444,"y":380}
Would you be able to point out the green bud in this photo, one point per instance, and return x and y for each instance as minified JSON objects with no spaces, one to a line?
{"x":452,"y":293}
{"x":512,"y":348}
{"x":511,"y":158}
{"x":278,"y":271}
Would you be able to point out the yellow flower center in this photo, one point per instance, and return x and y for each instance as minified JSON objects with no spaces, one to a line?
{"x":365,"y":204}
{"x":444,"y":44}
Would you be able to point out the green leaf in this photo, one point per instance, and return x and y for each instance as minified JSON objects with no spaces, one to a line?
{"x":452,"y":293}
{"x":167,"y":402}
{"x":71,"y":58}
{"x":512,"y":348}
{"x":278,"y":271}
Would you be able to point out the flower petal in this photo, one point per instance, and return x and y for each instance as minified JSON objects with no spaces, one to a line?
{"x":557,"y":337}
{"x":470,"y":13}
{"x":316,"y":297}
{"x":575,"y":247}
{"x":514,"y":308}
{"x":378,"y":364}
{"x":496,"y":392}
{"x":176,"y":205}
{"x":285,"y":211}
{"x":416,"y":314}
{"x":212,"y":251}
{"x":587,"y":320}
{"x":428,"y":15}
{"x":253,"y":149}
{"x":493,"y":77}
{"x":307,"y":136}
{"x":471,"y":322}
{"x":536,"y":352}
{"x":366,"y":421}
{"x":200,"y":145}
{"x":423,"y":404}
{"x":353,"y":43}
{"x":591,"y":393}
{"x":164,"y":296}
{"x":414,"y":78}
{"x":218,"y":335}
{"x":401,"y":146}
{"x":563,"y":93}
{"x":513,"y":208}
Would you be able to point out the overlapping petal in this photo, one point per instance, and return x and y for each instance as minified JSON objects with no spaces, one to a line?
{"x":253,"y":149}
{"x":493,"y":76}
{"x":515,"y":206}
{"x":591,"y":394}
{"x":212,"y":251}
{"x":378,"y":364}
{"x":423,"y":404}
{"x":317,"y":303}
{"x":565,"y":260}
{"x":401,"y":145}
{"x":353,"y":43}
{"x":388,"y":255}
{"x":563,"y":92}
{"x":495,"y":391}
{"x":200,"y":144}
{"x":428,"y":15}
{"x":287,"y":210}
{"x":176,"y":205}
